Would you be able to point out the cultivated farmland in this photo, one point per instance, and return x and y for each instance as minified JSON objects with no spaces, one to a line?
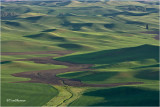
{"x":80,"y":53}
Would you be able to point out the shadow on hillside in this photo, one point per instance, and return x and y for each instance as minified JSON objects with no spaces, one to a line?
{"x":152,"y":10}
{"x":51,"y":11}
{"x":126,"y":13}
{"x":109,"y":26}
{"x":16,"y":24}
{"x":49,"y":30}
{"x":63,"y":3}
{"x":135,"y":14}
{"x":97,"y":76}
{"x":126,"y":96}
{"x":5,"y":62}
{"x":150,"y":74}
{"x":33,"y":19}
{"x":70,"y":46}
{"x":151,"y":3}
{"x":156,"y":65}
{"x":89,"y":75}
{"x":45,"y":36}
{"x":116,"y":55}
{"x":135,"y":22}
{"x":74,"y":26}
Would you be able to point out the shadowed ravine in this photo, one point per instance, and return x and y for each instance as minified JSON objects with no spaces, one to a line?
{"x":49,"y":76}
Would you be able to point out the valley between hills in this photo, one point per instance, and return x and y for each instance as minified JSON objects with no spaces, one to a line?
{"x":80,"y":53}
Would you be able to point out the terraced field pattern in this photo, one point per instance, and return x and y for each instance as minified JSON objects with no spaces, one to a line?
{"x":79,"y":53}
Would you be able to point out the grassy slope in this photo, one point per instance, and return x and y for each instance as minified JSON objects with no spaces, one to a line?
{"x":97,"y":30}
{"x":33,"y":93}
{"x":67,"y":95}
{"x":83,"y":37}
{"x":14,"y":57}
{"x":119,"y":96}
{"x":115,"y":56}
{"x":23,"y":66}
{"x":133,"y":64}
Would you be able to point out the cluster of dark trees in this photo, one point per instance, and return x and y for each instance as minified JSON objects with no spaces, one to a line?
{"x":136,"y":8}
{"x":8,"y":14}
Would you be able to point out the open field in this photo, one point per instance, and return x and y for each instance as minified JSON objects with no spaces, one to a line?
{"x":80,"y":53}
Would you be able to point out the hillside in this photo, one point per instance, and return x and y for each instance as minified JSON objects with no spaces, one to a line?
{"x":80,"y":52}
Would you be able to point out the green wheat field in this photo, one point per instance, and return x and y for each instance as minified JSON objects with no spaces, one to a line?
{"x":79,"y":53}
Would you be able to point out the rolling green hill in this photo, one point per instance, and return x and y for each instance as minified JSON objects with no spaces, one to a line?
{"x":117,"y":55}
{"x":118,"y":38}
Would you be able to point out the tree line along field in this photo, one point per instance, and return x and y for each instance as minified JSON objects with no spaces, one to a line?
{"x":80,"y":53}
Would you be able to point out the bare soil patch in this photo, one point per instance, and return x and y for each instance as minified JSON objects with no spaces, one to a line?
{"x":49,"y":76}
{"x":41,"y":52}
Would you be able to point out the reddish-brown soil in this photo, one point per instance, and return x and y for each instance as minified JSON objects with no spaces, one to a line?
{"x":49,"y":76}
{"x":41,"y":52}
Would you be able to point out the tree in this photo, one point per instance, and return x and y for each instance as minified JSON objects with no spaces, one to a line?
{"x":147,"y":26}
